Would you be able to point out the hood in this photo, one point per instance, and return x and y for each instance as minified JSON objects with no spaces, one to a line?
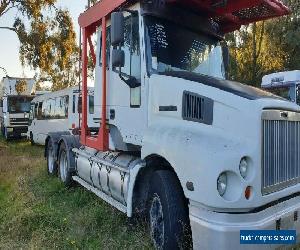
{"x":236,"y":88}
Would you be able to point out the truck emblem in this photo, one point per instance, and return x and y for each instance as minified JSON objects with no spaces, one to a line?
{"x":284,"y":115}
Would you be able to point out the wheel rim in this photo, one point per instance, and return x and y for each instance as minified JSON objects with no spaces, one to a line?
{"x":63,"y":165}
{"x":157,"y":222}
{"x":50,"y":160}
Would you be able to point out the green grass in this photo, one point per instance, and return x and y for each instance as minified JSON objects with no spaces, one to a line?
{"x":38,"y":212}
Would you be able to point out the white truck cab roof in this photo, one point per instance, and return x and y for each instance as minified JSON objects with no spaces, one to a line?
{"x":281,"y":79}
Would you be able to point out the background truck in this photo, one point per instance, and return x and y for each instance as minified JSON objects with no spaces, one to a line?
{"x":178,"y":144}
{"x":15,"y":97}
{"x":284,"y":84}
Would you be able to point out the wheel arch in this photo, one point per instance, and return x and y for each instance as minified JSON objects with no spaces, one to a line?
{"x":141,"y":188}
{"x":55,"y":138}
{"x":70,"y":142}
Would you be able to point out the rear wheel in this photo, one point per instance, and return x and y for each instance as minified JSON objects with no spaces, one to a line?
{"x":65,"y":172}
{"x":51,"y":162}
{"x":168,"y":212}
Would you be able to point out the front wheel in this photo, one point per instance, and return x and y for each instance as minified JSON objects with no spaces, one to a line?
{"x":31,"y":139}
{"x":6,"y":134}
{"x":2,"y":129}
{"x":168,"y":212}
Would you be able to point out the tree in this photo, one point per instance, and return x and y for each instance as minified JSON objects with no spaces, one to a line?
{"x":253,"y":54}
{"x":47,"y":38}
{"x":266,"y":47}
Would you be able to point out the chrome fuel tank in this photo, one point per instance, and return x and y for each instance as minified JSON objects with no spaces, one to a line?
{"x":106,"y":171}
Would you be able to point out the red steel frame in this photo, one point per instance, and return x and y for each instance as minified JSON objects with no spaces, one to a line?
{"x":89,"y":21}
{"x":98,"y":14}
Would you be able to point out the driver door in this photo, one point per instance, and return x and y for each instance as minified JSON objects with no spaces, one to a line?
{"x":127,"y":108}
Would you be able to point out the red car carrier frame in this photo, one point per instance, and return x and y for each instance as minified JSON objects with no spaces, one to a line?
{"x":229,"y":14}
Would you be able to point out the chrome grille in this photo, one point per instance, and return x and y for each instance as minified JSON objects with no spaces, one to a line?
{"x":281,"y":150}
{"x":19,"y":121}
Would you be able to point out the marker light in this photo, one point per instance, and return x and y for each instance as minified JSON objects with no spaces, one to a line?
{"x":222,"y":184}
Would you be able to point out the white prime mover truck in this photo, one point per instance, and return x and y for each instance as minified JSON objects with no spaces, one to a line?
{"x":178,"y":144}
{"x":285,"y":84}
{"x":15,"y":97}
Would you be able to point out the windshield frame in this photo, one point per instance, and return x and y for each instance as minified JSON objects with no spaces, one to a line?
{"x":148,"y":54}
{"x":14,"y":98}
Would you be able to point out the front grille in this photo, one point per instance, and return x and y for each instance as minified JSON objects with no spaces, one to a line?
{"x":19,"y":121}
{"x":281,"y":150}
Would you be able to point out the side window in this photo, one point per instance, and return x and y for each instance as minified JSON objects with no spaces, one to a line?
{"x":58,"y":108}
{"x":36,"y":108}
{"x":108,"y":45}
{"x":40,"y":111}
{"x":79,"y":107}
{"x":52,"y":110}
{"x":32,"y":112}
{"x":45,"y":109}
{"x":74,"y":104}
{"x":66,"y":106}
{"x":91,"y":104}
{"x":131,"y":47}
{"x":1,"y":103}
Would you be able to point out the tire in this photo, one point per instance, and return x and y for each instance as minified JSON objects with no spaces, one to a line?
{"x":6,"y":135}
{"x":168,"y":212}
{"x":31,"y":139}
{"x":2,"y":129}
{"x":65,"y":173}
{"x":51,"y":162}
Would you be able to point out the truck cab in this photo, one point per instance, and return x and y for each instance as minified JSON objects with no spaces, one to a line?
{"x":15,"y":95}
{"x":14,"y":115}
{"x":284,"y":84}
{"x":178,"y":144}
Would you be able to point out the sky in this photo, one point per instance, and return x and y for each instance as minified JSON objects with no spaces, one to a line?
{"x":9,"y":43}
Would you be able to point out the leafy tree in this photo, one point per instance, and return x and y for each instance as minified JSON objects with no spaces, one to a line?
{"x":253,"y":54}
{"x":48,"y":44}
{"x":266,"y":47}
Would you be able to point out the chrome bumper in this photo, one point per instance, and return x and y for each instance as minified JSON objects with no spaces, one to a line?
{"x":213,"y":230}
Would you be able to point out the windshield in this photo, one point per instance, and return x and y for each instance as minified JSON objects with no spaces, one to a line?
{"x":284,"y":92}
{"x":176,"y":48}
{"x":18,"y":104}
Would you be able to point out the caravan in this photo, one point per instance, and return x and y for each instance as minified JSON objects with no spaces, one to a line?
{"x":58,"y":111}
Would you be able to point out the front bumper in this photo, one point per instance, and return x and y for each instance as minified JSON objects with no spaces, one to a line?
{"x":17,"y":130}
{"x":213,"y":230}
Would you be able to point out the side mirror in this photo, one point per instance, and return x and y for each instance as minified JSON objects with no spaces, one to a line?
{"x":226,"y":58}
{"x":118,"y":58}
{"x":117,"y":28}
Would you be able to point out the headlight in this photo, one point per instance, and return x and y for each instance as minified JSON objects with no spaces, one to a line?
{"x":222,"y":184}
{"x":244,"y":167}
{"x":26,"y":116}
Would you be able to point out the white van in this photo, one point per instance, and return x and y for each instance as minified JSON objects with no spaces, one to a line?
{"x":58,"y":111}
